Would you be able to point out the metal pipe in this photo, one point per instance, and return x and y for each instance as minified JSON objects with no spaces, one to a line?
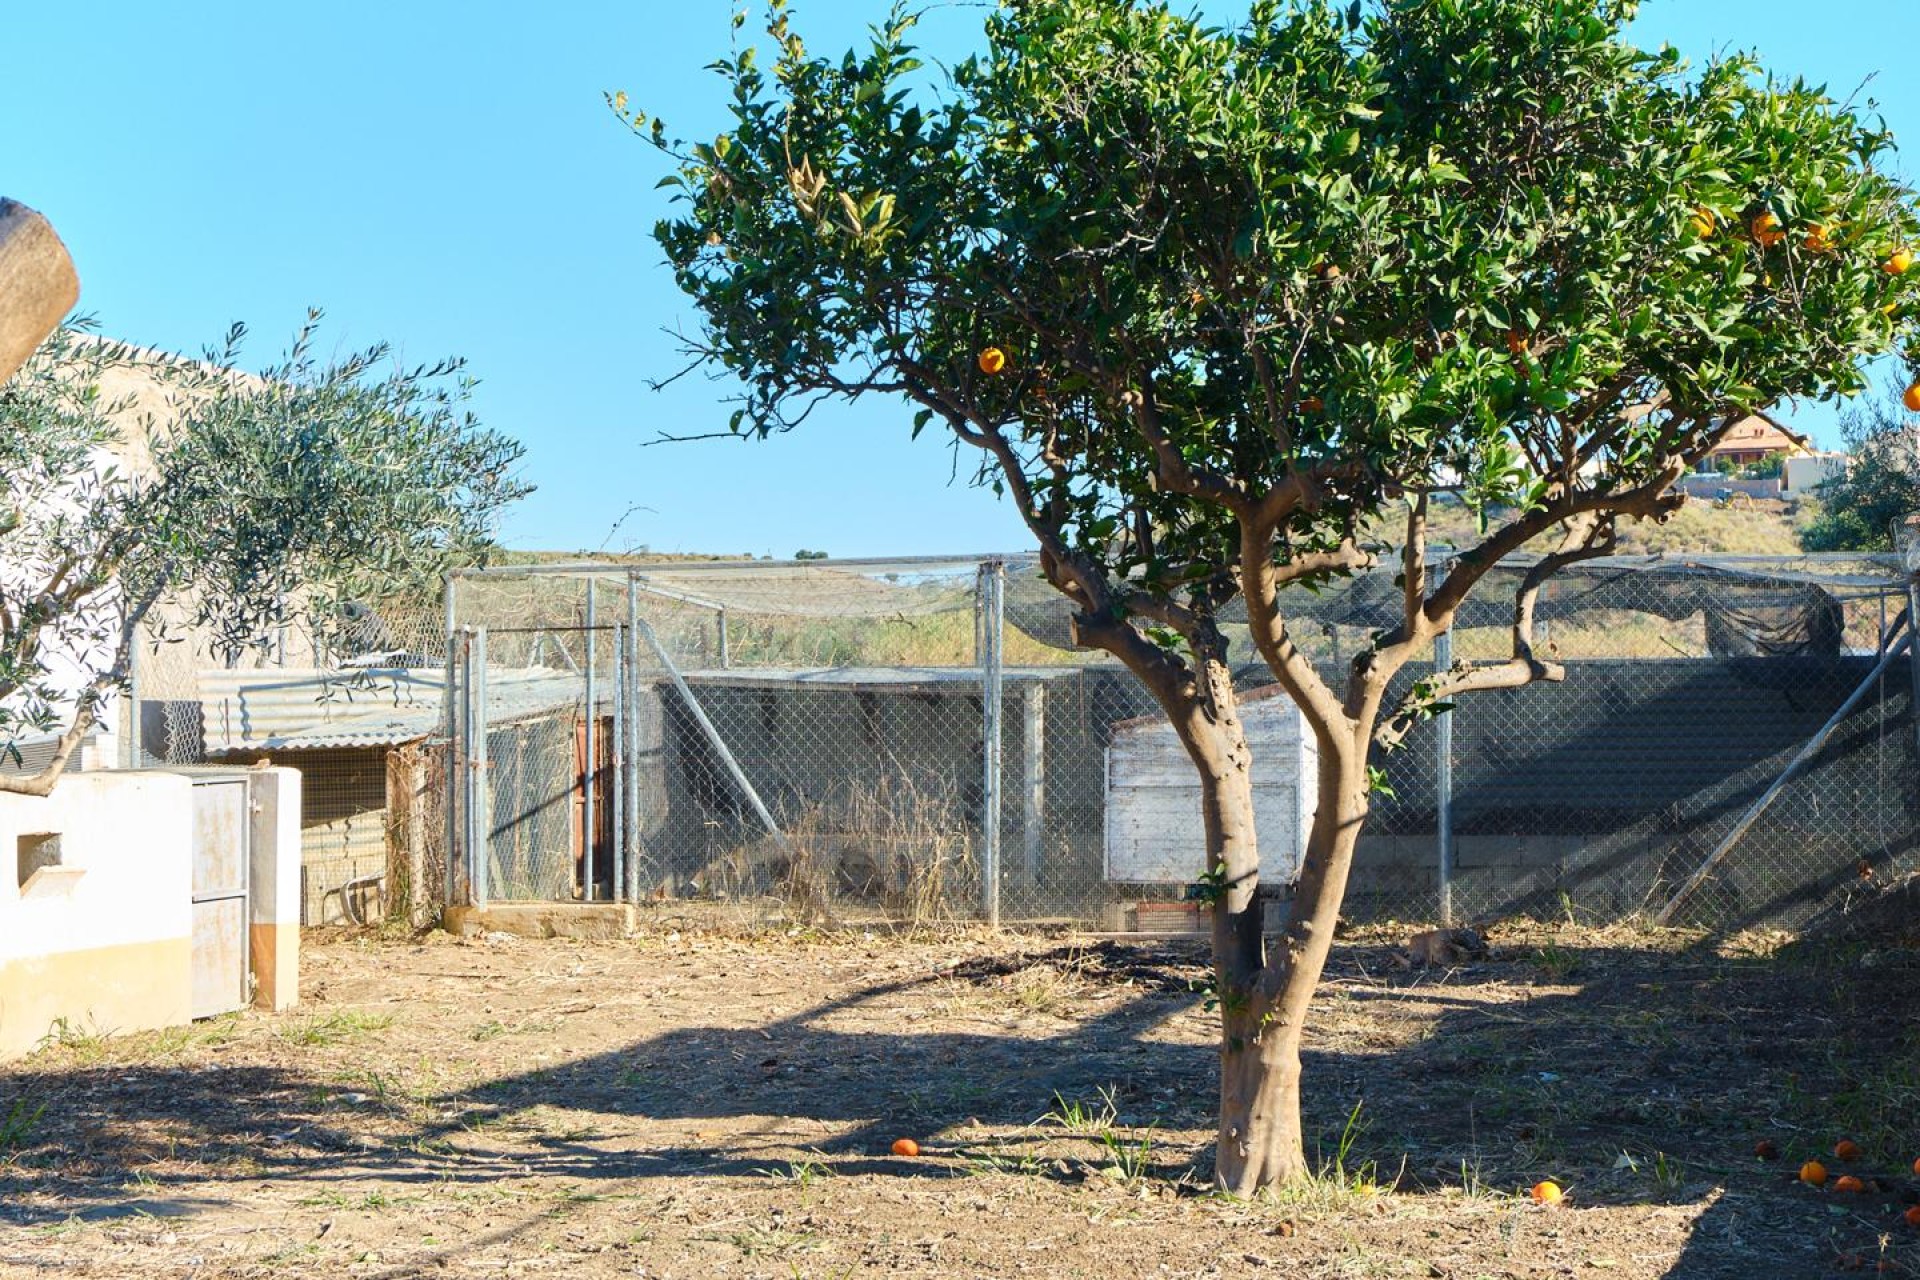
{"x":590,"y":832}
{"x":1761,"y":565}
{"x":992,"y":579}
{"x":868,"y":564}
{"x":1903,"y":624}
{"x":643,"y":583}
{"x":1443,"y":781}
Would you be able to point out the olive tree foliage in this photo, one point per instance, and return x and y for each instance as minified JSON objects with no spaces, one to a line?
{"x":1211,"y":302}
{"x":259,"y":499}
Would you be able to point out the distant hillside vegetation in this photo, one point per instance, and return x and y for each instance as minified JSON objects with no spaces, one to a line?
{"x":1765,"y":527}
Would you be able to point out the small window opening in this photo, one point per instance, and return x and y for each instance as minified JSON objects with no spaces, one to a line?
{"x":37,"y":850}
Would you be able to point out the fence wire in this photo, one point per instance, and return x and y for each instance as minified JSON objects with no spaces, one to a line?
{"x":858,"y":741}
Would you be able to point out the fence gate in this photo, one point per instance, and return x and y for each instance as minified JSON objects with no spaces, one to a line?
{"x":221,"y":856}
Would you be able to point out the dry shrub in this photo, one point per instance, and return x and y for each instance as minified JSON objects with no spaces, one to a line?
{"x":898,"y":844}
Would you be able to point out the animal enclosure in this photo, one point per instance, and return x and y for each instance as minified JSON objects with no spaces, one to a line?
{"x":918,"y":740}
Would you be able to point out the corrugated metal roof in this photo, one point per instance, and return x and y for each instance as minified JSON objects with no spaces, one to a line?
{"x":312,"y":710}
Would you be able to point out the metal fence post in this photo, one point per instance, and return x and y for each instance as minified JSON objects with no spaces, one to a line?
{"x":469,"y":799}
{"x":589,"y":832}
{"x":616,"y":888}
{"x":992,"y":585}
{"x":450,"y":726}
{"x":1913,"y":665}
{"x":481,"y":850}
{"x":631,"y":886}
{"x":1443,"y":781}
{"x":131,"y":751}
{"x":726,"y":652}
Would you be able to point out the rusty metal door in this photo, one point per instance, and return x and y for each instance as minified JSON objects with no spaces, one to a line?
{"x":221,"y":855}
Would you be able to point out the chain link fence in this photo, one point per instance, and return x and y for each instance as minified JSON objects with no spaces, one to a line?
{"x":916,"y":741}
{"x":859,"y":740}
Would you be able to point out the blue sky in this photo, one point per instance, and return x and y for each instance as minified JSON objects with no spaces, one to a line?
{"x":445,"y":175}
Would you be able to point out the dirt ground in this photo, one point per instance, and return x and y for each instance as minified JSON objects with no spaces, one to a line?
{"x":690,"y":1105}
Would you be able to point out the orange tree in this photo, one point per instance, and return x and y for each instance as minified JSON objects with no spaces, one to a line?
{"x":1211,"y":301}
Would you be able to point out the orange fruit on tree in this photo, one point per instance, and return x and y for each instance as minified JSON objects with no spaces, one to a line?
{"x":1916,"y":1166}
{"x":1912,"y":1215}
{"x":1703,"y":222}
{"x":905,"y":1147}
{"x":992,"y":361}
{"x":1846,"y":1149}
{"x":1516,"y":342}
{"x":1813,"y":1173}
{"x":1899,"y":263}
{"x":1766,"y":230}
{"x":1547,"y":1191}
{"x":1766,"y":1150}
{"x":1312,"y":404}
{"x":1911,"y":399}
{"x":1849,"y":1184}
{"x":1817,"y":240}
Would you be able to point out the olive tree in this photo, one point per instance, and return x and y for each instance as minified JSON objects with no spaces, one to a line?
{"x":1213,"y":302}
{"x":253,"y":499}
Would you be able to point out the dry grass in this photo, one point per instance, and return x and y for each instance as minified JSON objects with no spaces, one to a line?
{"x":900,"y":847}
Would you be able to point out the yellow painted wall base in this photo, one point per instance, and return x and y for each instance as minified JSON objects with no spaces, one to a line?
{"x":133,"y":987}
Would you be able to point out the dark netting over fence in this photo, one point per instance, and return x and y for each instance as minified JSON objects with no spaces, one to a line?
{"x":855,"y":740}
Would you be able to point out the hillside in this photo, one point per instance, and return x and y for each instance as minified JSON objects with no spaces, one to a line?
{"x":1762,"y":528}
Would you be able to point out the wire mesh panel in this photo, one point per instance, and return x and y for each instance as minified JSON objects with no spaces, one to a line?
{"x":770,"y":739}
{"x":846,"y":740}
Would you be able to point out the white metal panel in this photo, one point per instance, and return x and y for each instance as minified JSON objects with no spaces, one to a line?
{"x":220,"y":820}
{"x":220,"y":938}
{"x":222,"y":828}
{"x":1154,"y":833}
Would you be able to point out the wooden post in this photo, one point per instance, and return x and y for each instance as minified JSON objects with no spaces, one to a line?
{"x":38,"y":285}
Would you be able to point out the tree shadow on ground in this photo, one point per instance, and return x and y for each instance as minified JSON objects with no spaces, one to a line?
{"x":1630,"y":1074}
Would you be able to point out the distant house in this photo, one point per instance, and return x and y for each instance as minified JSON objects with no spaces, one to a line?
{"x":1755,"y":438}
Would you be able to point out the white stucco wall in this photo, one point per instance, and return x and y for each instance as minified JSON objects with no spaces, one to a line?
{"x":103,"y":940}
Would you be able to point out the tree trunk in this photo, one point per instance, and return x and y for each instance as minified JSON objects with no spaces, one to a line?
{"x":37,"y":284}
{"x":1261,"y":1143}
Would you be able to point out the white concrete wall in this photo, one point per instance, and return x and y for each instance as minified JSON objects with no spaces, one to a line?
{"x":274,"y":887}
{"x":104,"y":939}
{"x":1804,"y":474}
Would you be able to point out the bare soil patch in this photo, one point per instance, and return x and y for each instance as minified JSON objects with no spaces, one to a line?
{"x":691,"y":1104}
